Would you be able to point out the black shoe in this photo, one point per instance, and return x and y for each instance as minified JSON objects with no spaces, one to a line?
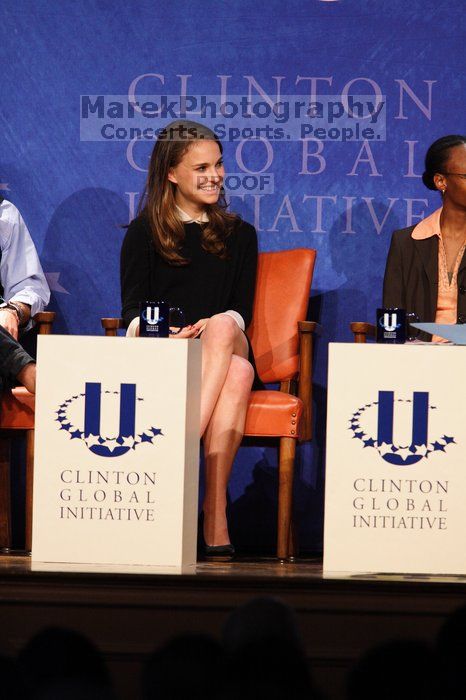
{"x":219,"y":551}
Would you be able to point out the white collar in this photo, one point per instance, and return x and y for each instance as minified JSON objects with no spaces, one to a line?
{"x":186,"y":219}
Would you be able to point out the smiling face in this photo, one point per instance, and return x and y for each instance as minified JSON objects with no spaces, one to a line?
{"x":198,"y":177}
{"x":453,"y":179}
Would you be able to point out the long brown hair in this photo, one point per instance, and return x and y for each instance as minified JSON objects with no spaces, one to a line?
{"x":158,"y":199}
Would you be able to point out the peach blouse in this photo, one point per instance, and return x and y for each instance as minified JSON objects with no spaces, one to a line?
{"x":447,"y":299}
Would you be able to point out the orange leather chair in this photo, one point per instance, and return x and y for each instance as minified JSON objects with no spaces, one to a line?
{"x":17,"y":413}
{"x":282,"y":341}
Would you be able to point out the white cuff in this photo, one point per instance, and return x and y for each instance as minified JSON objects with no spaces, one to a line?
{"x":238,"y":318}
{"x":31,"y":299}
{"x":132,"y":328}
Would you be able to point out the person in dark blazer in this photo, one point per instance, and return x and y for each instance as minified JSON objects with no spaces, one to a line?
{"x":426,"y":266}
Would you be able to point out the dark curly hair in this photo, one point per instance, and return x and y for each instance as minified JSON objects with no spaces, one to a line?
{"x":437,"y":156}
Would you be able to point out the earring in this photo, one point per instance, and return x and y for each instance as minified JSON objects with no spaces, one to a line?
{"x":444,"y":190}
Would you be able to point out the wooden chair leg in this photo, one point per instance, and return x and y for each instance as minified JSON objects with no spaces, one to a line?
{"x":29,"y":487}
{"x":293,"y":544}
{"x":285,"y":494}
{"x":5,"y":493}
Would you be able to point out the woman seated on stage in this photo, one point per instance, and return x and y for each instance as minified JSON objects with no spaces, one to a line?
{"x":186,"y":249}
{"x":426,"y":264}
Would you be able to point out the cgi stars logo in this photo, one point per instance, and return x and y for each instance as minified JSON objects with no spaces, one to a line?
{"x":418,"y":447}
{"x":88,"y":404}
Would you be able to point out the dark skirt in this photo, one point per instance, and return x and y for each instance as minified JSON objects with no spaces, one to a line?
{"x":257,"y":384}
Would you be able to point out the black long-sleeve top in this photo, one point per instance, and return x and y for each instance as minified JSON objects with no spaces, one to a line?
{"x":206,"y":286}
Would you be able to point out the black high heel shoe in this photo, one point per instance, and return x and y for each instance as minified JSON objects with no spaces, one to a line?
{"x":219,"y":551}
{"x":222,"y":552}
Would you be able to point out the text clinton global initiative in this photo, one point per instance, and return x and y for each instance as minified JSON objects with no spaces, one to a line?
{"x":96,"y":513}
{"x":400,"y":504}
{"x":128,"y":502}
{"x":113,"y":477}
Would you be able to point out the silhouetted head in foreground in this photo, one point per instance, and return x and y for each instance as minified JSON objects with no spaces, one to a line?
{"x":62,"y":663}
{"x":451,"y":651}
{"x":188,"y":666}
{"x":396,"y":670}
{"x":266,"y":659}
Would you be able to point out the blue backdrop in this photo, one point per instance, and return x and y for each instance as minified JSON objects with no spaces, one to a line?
{"x":344,"y":201}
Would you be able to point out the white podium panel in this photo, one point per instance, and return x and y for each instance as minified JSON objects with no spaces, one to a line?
{"x":395,"y":495}
{"x":116,"y":451}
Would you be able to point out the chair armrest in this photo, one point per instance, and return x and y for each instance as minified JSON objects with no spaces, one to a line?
{"x":309,"y":327}
{"x":306,"y":330}
{"x":362,"y":331}
{"x":44,"y":321}
{"x":112,"y":325}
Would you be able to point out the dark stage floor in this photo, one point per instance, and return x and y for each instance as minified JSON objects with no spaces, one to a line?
{"x":127,"y":615}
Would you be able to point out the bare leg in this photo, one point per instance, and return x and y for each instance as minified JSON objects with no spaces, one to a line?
{"x":221,"y":339}
{"x":227,"y":378}
{"x":221,"y":441}
{"x":225,"y":428}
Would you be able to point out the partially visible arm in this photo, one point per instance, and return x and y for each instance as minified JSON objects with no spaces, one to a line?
{"x":9,"y":320}
{"x":242,"y":298}
{"x":21,"y":273}
{"x":14,"y":360}
{"x":134,"y":269}
{"x":393,"y":283}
